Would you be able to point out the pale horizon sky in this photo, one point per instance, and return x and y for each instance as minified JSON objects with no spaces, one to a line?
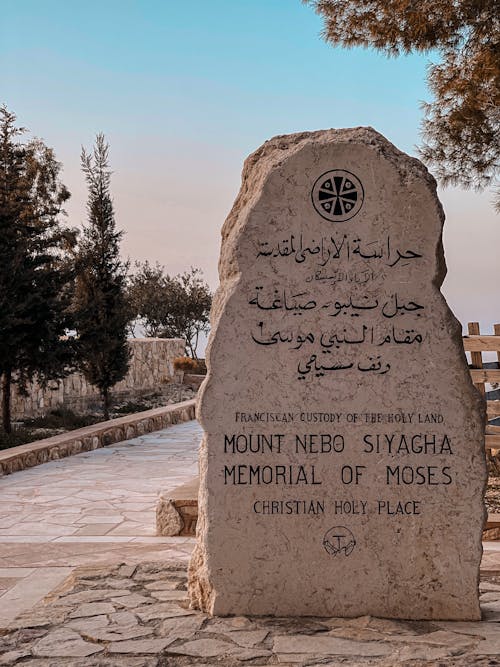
{"x":185,"y":91}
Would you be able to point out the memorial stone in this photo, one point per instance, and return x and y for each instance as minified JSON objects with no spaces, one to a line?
{"x":342,"y":468}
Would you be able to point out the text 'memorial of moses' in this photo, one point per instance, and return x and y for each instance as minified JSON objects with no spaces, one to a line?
{"x":342,"y":468}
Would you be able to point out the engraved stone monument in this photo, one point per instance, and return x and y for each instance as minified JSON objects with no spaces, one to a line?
{"x":342,"y":469}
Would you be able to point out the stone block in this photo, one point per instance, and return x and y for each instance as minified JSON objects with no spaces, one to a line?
{"x":343,"y":466}
{"x":177,"y":510}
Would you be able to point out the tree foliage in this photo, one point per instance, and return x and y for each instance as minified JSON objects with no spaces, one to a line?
{"x":461,"y":126}
{"x":171,"y":307}
{"x":35,"y":273}
{"x":147,"y":294}
{"x":100,"y":305}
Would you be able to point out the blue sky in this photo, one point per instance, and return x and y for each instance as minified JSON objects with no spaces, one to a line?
{"x":237,"y":71}
{"x":184,"y":91}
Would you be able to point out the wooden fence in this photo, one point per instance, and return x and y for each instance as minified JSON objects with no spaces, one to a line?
{"x":477,"y":343}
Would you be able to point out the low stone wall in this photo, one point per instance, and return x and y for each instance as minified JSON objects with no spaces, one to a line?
{"x":93,"y":437}
{"x":151,"y":368}
{"x":193,"y":380}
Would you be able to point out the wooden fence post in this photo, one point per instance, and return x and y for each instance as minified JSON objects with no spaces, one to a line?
{"x":476,"y":357}
{"x":496,"y":329}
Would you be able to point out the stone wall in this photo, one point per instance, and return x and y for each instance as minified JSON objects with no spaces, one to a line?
{"x":151,"y":368}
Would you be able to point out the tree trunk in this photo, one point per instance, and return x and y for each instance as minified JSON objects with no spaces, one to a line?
{"x":105,"y":403}
{"x":6,"y":387}
{"x":191,"y":351}
{"x":195,"y":346}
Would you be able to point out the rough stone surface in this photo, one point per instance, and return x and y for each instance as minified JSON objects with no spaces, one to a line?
{"x":181,"y":627}
{"x":169,"y":522}
{"x":177,"y":510}
{"x":343,"y":467}
{"x":65,"y":643}
{"x":92,"y":596}
{"x":169,"y":638}
{"x":93,"y":609}
{"x":151,"y":367}
{"x":329,"y":645}
{"x":140,"y":646}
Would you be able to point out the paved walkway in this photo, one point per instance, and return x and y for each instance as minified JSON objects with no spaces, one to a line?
{"x":96,"y":507}
{"x":139,"y":616}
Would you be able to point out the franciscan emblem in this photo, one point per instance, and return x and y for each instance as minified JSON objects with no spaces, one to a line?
{"x":339,"y":540}
{"x":337,"y":195}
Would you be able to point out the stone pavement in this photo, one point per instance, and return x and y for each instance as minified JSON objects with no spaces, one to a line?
{"x":138,"y":616}
{"x":96,"y":507}
{"x":89,"y":521}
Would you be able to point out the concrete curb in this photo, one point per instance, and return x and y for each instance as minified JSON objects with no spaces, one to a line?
{"x":94,"y":437}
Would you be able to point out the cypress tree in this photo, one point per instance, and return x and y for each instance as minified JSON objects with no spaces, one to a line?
{"x":101,"y":312}
{"x":35,"y":273}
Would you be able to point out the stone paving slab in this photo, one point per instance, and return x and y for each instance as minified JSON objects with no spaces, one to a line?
{"x":27,"y":589}
{"x":92,"y":437}
{"x":95,"y":507}
{"x":40,"y":506}
{"x":111,"y":616}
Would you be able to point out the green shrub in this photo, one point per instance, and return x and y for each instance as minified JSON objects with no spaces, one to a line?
{"x":19,"y":436}
{"x":61,"y":418}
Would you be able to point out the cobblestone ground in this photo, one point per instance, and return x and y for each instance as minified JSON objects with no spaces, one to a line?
{"x":84,"y":581}
{"x":96,"y":507}
{"x":138,"y":616}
